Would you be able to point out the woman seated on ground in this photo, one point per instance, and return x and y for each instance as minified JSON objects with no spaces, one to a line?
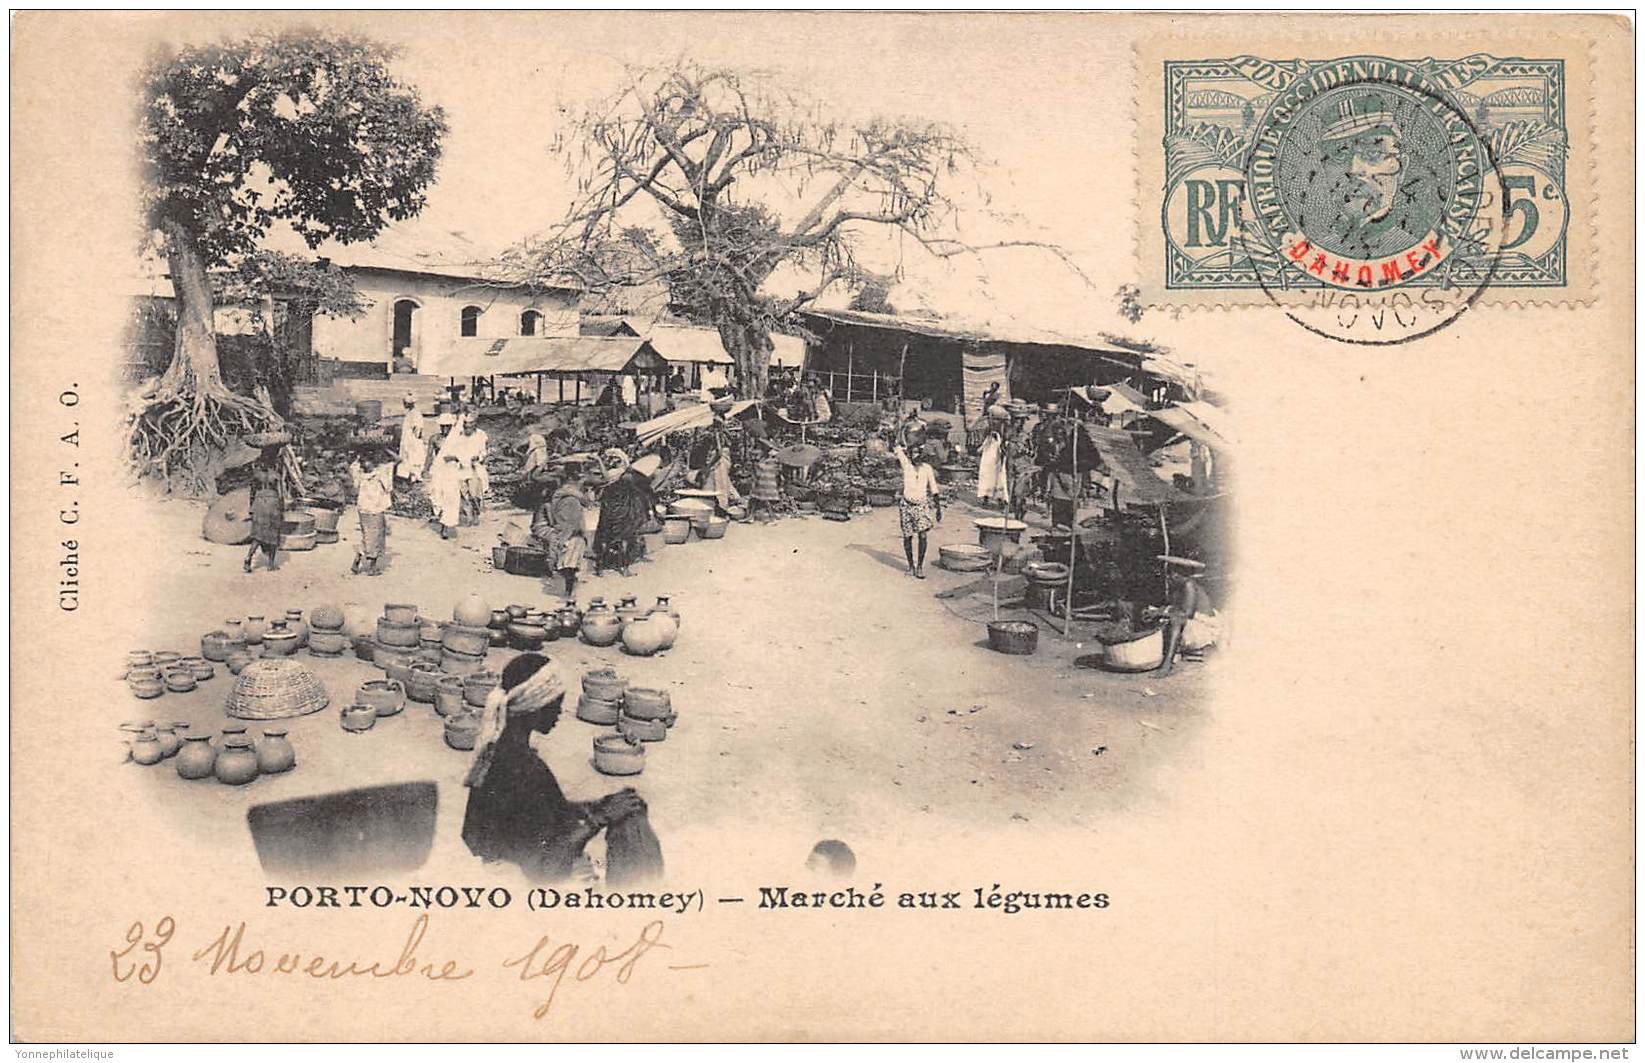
{"x":516,"y":811}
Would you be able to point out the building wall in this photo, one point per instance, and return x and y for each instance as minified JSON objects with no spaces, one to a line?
{"x":437,"y":321}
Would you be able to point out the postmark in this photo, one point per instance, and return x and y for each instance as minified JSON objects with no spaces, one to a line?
{"x":1337,"y":179}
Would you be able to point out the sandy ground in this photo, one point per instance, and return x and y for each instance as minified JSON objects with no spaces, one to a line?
{"x":821,"y":692}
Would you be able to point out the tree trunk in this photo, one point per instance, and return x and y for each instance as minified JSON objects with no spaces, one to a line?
{"x":194,"y":365}
{"x":750,"y":348}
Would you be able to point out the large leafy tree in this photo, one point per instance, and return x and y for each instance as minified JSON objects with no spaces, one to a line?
{"x":300,"y":128}
{"x":712,"y":181}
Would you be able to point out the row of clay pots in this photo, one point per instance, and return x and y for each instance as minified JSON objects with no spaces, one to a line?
{"x":642,"y":631}
{"x":176,"y":674}
{"x":235,"y":760}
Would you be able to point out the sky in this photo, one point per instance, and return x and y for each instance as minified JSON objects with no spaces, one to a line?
{"x":1037,"y":105}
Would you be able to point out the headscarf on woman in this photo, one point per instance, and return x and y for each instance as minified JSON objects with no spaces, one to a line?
{"x":516,"y":809}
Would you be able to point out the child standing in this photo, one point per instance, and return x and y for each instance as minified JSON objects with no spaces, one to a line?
{"x":374,"y":491}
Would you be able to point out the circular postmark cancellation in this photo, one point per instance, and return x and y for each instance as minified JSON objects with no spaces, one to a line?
{"x":1373,"y":209}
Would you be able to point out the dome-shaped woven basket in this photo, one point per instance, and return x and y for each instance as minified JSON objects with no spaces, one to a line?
{"x":275,"y":688}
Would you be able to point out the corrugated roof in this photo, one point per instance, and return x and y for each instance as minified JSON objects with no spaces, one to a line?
{"x":478,"y":356}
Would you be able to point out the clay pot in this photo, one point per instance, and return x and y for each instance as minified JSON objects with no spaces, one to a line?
{"x":629,"y":609}
{"x":180,"y":680}
{"x":604,"y":683}
{"x":667,"y":624}
{"x":400,"y":613}
{"x":146,"y":749}
{"x":643,"y":637}
{"x":429,"y":631}
{"x":236,"y":762}
{"x":714,"y":527}
{"x":202,"y":668}
{"x":617,"y":755}
{"x":466,"y":638}
{"x":326,"y":618}
{"x":294,"y":621}
{"x":214,"y":646}
{"x":279,"y":640}
{"x":146,"y":683}
{"x":478,"y":685}
{"x":196,"y":759}
{"x":648,"y":703}
{"x":139,"y":659}
{"x":164,"y":659}
{"x":499,"y":619}
{"x":641,"y":730}
{"x":397,"y":633}
{"x":237,"y":661}
{"x":359,"y":718}
{"x":169,"y":742}
{"x":235,"y":630}
{"x":325,"y":520}
{"x":420,"y":685}
{"x":322,"y":643}
{"x":462,"y":730}
{"x":255,"y":628}
{"x":472,"y":612}
{"x":448,"y":695}
{"x":387,"y":696}
{"x":455,"y":663}
{"x":598,"y":710}
{"x":230,"y":730}
{"x":365,"y":648}
{"x":676,"y":530}
{"x":570,"y":620}
{"x":601,"y":628}
{"x":427,"y":655}
{"x":526,"y":636}
{"x":274,"y":752}
{"x":516,"y":612}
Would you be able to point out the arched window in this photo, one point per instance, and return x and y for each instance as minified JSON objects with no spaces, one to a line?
{"x":471,"y":321}
{"x":531,"y":322}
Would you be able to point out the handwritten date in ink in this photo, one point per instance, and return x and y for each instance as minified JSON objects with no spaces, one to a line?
{"x":145,"y":963}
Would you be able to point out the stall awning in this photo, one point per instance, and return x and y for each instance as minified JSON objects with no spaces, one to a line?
{"x":683,"y":343}
{"x":511,"y":355}
{"x":1199,"y":421}
{"x":695,"y":415}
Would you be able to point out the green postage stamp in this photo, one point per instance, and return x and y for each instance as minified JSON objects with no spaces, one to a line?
{"x":1268,"y":174}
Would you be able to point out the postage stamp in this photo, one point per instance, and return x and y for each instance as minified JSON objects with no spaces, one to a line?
{"x":1288,"y":177}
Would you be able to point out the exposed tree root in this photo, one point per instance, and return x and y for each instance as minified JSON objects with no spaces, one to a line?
{"x":180,"y":426}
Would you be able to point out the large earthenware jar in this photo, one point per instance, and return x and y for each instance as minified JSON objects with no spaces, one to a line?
{"x":235,"y":630}
{"x":236,"y":762}
{"x":570,"y":619}
{"x":666,"y":619}
{"x":472,"y":612}
{"x":279,"y":640}
{"x":629,"y":609}
{"x":274,"y":752}
{"x":523,"y":634}
{"x":255,"y":627}
{"x":294,"y":621}
{"x":146,"y":749}
{"x":196,"y":759}
{"x":169,"y":742}
{"x":601,"y":628}
{"x":643,"y":637}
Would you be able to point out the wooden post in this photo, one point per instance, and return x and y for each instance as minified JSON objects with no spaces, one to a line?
{"x":1073,"y":534}
{"x":874,"y":395}
{"x":561,"y":378}
{"x":539,"y":389}
{"x":577,"y":399}
{"x":849,"y":353}
{"x":902,"y":371}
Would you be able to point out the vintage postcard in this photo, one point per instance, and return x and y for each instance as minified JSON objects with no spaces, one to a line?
{"x":816,"y":526}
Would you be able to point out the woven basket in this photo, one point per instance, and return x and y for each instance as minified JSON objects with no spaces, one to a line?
{"x":274,"y":689}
